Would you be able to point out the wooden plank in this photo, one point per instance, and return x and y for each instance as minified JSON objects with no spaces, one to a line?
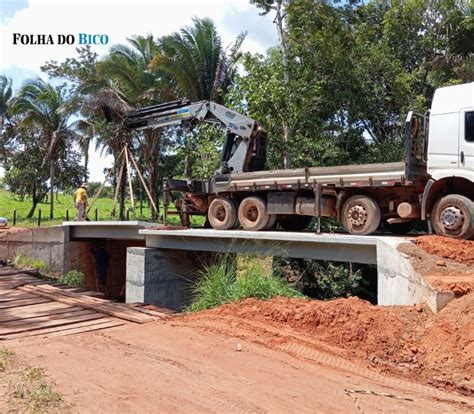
{"x":50,"y":323}
{"x":87,"y":302}
{"x":12,"y":271}
{"x":30,"y":314}
{"x":76,"y":328}
{"x":38,"y":320}
{"x":23,"y":302}
{"x":14,"y":295}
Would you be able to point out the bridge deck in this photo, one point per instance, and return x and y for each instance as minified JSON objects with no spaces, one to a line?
{"x":120,"y":230}
{"x":308,"y":245}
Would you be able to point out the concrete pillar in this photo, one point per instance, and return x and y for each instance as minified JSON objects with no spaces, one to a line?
{"x":162,"y":277}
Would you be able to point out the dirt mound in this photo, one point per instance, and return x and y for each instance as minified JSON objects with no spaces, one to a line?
{"x":461,"y":251}
{"x":442,"y":273}
{"x":346,"y":323}
{"x":410,"y":340}
{"x":446,"y":343}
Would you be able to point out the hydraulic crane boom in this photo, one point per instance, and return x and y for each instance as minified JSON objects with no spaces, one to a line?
{"x":245,"y":141}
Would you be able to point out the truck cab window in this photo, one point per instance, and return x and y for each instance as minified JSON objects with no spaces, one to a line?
{"x":469,"y":126}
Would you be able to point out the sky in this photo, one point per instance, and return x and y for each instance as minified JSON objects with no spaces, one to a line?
{"x":118,"y":19}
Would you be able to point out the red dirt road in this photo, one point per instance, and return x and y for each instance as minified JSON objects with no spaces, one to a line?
{"x":194,"y":365}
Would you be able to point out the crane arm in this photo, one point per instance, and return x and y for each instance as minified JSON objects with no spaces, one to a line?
{"x":245,"y":140}
{"x":177,"y":112}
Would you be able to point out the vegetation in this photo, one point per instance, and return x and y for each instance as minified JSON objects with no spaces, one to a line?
{"x":26,"y":388}
{"x":223,"y":282}
{"x":72,"y":278}
{"x":10,"y":202}
{"x":26,"y":262}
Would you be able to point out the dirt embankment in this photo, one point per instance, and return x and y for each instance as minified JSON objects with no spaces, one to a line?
{"x":438,"y":349}
{"x":461,"y":251}
{"x":446,"y":263}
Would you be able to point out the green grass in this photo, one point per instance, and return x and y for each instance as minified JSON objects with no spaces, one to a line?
{"x":9,"y":203}
{"x":23,"y":261}
{"x":218,"y":283}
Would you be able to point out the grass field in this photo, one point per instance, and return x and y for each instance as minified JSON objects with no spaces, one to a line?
{"x":9,"y":203}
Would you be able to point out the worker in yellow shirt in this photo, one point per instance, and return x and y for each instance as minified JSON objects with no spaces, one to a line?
{"x":80,"y":201}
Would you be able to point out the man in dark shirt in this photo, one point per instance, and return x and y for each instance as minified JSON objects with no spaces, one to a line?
{"x":101,"y":263}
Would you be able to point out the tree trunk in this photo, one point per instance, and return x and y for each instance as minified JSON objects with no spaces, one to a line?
{"x":122,"y":189}
{"x":152,"y":158}
{"x":51,"y":189}
{"x":86,"y":159}
{"x":287,"y":131}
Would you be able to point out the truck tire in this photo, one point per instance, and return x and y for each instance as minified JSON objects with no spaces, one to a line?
{"x":294,"y":222}
{"x":253,"y":214}
{"x":360,"y":215}
{"x":271,"y":222}
{"x":453,"y":216}
{"x":222,"y":214}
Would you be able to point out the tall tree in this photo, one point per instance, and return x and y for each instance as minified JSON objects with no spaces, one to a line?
{"x":47,"y":108}
{"x":279,"y":7}
{"x":196,"y":64}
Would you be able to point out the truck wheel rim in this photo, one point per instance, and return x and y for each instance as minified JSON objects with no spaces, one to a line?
{"x":357,"y":215}
{"x":251,"y":213}
{"x":452,"y":218}
{"x":220,"y":213}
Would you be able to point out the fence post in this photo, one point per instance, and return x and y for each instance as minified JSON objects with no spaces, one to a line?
{"x":14,"y":216}
{"x":67,"y":214}
{"x":39,"y":217}
{"x":96,"y":215}
{"x":128,"y":214}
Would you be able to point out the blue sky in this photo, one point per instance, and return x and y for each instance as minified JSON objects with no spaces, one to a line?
{"x":118,"y":19}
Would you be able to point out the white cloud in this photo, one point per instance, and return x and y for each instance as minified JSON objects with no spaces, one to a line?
{"x":118,"y":20}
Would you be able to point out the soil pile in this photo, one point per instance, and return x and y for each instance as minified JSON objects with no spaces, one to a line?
{"x":461,"y":251}
{"x":446,"y":344}
{"x":410,"y":340}
{"x":348,"y":323}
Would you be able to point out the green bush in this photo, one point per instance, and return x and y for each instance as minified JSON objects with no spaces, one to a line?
{"x":72,"y":278}
{"x":218,"y":284}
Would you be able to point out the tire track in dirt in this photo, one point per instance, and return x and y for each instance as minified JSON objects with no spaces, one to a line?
{"x":306,"y":348}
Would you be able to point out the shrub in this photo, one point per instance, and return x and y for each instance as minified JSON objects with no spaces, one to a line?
{"x":72,"y":278}
{"x":218,"y":284}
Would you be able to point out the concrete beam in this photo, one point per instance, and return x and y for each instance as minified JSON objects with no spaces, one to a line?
{"x":121,"y":230}
{"x":334,"y":247}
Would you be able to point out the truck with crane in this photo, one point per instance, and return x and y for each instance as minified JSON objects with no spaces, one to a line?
{"x":434,"y":182}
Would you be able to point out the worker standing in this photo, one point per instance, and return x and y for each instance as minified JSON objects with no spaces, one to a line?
{"x":80,"y":201}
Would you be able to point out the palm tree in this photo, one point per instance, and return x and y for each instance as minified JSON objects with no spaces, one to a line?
{"x":5,"y":96}
{"x":5,"y":103}
{"x":131,"y":79}
{"x":46,"y":107}
{"x":195,"y":63}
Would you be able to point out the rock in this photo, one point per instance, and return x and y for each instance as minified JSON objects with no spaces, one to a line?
{"x":441,"y":263}
{"x":238,"y":347}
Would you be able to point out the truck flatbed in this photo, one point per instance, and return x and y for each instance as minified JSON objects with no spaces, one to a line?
{"x":365,"y":175}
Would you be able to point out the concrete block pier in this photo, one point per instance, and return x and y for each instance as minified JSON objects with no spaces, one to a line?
{"x":162,"y":277}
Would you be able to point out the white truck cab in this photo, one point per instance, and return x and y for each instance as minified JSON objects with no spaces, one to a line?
{"x":449,"y":194}
{"x":451,"y":133}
